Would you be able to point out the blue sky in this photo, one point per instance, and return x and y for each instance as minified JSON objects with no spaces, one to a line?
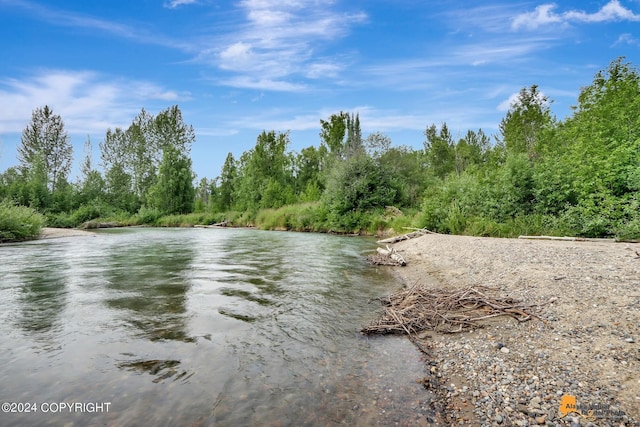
{"x":236,"y":68}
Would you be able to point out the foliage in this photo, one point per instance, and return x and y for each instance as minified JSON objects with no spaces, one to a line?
{"x":131,"y":158}
{"x":355,"y":186}
{"x":45,"y":145}
{"x":19,"y":222}
{"x":576,"y":176}
{"x":173,"y":192}
{"x":529,"y":116}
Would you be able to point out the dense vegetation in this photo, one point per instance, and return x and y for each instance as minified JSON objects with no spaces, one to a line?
{"x":539,"y":175}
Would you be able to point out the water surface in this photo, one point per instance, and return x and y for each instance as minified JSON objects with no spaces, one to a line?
{"x":200,"y":327}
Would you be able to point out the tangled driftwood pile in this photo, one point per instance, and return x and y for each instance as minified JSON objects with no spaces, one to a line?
{"x":447,"y":311}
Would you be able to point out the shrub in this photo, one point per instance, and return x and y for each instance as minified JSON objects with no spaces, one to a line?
{"x":19,"y":223}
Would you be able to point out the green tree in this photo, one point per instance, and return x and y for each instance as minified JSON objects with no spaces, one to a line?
{"x":405,"y":167}
{"x":116,"y":161}
{"x":333,"y":132}
{"x":524,"y":125}
{"x":265,"y":177}
{"x":227,"y":183}
{"x":471,"y":150}
{"x":92,"y":185}
{"x":45,"y":140}
{"x":359,"y":184}
{"x":203,"y":195}
{"x":138,"y":151}
{"x":377,"y":144}
{"x":439,"y":150}
{"x":309,"y":171}
{"x":173,"y":192}
{"x":342,"y":135}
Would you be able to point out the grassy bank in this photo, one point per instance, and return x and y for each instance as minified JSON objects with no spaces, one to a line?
{"x":307,"y":217}
{"x":315,"y":217}
{"x":19,"y":223}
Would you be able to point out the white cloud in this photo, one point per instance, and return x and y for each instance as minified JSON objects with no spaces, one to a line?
{"x":626,"y":39}
{"x":86,"y":101}
{"x":509,"y":102}
{"x":177,"y":3}
{"x":278,"y":40}
{"x":514,"y":100}
{"x":64,"y":18}
{"x":251,"y":82}
{"x":544,"y":15}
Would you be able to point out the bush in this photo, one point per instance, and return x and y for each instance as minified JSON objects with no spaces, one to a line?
{"x":146,"y":215}
{"x":19,"y":223}
{"x":60,"y":220}
{"x":629,"y":230}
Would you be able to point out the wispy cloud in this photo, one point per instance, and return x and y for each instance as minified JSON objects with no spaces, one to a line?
{"x":626,"y":39}
{"x":177,"y":3}
{"x":86,"y":101}
{"x":277,"y":42}
{"x":64,"y":18}
{"x":545,"y":14}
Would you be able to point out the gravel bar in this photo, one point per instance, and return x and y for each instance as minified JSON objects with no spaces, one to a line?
{"x":586,"y":352}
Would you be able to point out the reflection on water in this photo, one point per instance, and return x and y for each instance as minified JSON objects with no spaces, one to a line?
{"x":202,"y":327}
{"x":147,"y":280}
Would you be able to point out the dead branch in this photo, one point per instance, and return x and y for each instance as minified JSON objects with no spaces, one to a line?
{"x":420,"y":308}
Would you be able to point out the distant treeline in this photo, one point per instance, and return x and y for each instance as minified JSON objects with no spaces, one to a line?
{"x":540,"y":175}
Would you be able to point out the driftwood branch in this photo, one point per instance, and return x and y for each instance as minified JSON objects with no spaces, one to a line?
{"x":448,"y":311}
{"x":565,"y":238}
{"x":388,"y":256}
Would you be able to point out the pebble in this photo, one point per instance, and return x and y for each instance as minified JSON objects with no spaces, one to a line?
{"x":504,"y":350}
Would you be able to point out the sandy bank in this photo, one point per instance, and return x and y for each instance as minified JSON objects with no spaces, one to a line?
{"x":52,"y":233}
{"x":517,"y":373}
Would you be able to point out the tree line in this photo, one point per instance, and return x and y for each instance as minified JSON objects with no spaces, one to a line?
{"x":539,"y":174}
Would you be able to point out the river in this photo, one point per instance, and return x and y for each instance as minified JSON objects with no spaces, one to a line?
{"x":200,"y":327}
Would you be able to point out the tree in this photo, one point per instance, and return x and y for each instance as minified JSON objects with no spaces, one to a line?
{"x":227,"y":183}
{"x":342,"y":134}
{"x":377,"y":144}
{"x":92,"y":185}
{"x":203,"y":193}
{"x":173,"y":192}
{"x":333,"y":131}
{"x":116,"y":161}
{"x":45,"y":140}
{"x":405,"y":166}
{"x":359,"y":184}
{"x":471,"y":150}
{"x":439,"y":150}
{"x":527,"y":119}
{"x":138,"y":151}
{"x":265,"y":177}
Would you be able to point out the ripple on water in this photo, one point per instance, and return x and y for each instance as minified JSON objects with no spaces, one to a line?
{"x":202,"y":327}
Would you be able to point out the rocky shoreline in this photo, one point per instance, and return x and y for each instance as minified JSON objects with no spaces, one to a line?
{"x":579,"y":366}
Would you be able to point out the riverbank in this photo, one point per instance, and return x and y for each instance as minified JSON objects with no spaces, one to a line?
{"x":513,"y":373}
{"x":52,"y":233}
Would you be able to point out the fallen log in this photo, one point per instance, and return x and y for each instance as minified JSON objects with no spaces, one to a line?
{"x":566,"y":238}
{"x":402,"y":237}
{"x":391,"y":253}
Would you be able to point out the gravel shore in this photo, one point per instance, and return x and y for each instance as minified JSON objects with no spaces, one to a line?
{"x":511,"y":373}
